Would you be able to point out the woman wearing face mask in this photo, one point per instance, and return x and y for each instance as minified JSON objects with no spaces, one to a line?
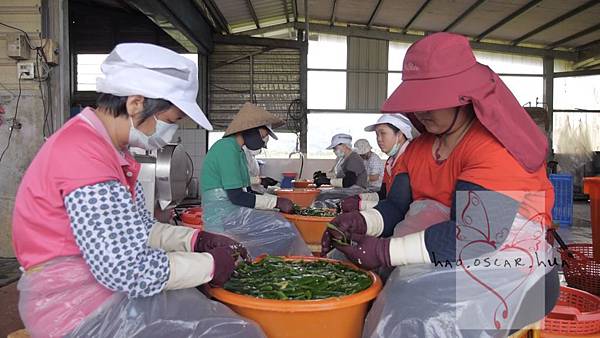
{"x":96,"y":261}
{"x":394,"y":133}
{"x":259,"y":184}
{"x":349,"y":169}
{"x":230,"y":206}
{"x":473,"y":270}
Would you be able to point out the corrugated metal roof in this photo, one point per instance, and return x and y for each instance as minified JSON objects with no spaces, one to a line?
{"x":436,"y":16}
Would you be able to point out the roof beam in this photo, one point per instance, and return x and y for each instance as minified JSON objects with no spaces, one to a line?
{"x":464,"y":15}
{"x":556,"y":21}
{"x":574,"y":36}
{"x":507,"y":19}
{"x":588,"y":45}
{"x":253,"y":13}
{"x":295,"y":9}
{"x":374,"y":14}
{"x":285,"y":9}
{"x":181,"y":20}
{"x":267,"y":29}
{"x":410,"y":38}
{"x":234,"y":39}
{"x":412,"y":20}
{"x":214,"y":9}
{"x":332,"y":19}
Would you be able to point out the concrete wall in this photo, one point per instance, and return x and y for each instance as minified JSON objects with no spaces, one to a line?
{"x":25,"y":142}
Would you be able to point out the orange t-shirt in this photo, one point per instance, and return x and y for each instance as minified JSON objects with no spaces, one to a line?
{"x":481,"y":159}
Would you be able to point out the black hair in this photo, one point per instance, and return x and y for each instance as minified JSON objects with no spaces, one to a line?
{"x":393,"y":127}
{"x":117,"y":105}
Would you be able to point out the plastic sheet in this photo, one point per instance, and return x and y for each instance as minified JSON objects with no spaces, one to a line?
{"x":468,"y":298}
{"x":174,"y":313}
{"x":421,"y":215}
{"x":259,"y":231}
{"x":574,"y":147}
{"x":62,"y":298}
{"x":330,"y":198}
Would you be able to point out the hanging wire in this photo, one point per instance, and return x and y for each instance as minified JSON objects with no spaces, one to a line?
{"x":14,"y":121}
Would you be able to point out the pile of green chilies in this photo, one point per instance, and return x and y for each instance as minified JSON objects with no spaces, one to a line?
{"x":276,"y":278}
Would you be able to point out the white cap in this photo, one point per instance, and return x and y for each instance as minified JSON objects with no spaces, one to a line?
{"x":153,"y":72}
{"x":362,"y":146}
{"x":338,"y":139}
{"x":399,"y":121}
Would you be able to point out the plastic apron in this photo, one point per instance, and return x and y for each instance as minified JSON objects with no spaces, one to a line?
{"x":62,"y":298}
{"x":479,"y":296}
{"x":260,"y":231}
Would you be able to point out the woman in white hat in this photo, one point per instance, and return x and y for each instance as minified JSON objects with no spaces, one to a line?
{"x":96,"y":261}
{"x":394,"y":133}
{"x":349,"y":169}
{"x":230,"y":205}
{"x":373,"y":163}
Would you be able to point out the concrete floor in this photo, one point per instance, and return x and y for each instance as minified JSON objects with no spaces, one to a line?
{"x":579,"y":232}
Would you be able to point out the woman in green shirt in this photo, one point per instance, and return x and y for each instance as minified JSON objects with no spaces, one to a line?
{"x":230,"y":206}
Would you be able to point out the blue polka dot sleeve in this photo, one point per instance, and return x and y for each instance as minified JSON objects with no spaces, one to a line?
{"x":110,"y":231}
{"x":140,"y":203}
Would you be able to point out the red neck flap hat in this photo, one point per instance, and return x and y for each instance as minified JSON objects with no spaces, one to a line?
{"x":440,"y":71}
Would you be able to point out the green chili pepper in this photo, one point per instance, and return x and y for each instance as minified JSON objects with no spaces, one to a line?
{"x":275,"y":278}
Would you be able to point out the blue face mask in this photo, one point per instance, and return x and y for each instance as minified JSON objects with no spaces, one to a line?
{"x":394,"y":150}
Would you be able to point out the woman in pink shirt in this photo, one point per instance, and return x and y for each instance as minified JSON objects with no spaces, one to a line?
{"x":96,"y":262}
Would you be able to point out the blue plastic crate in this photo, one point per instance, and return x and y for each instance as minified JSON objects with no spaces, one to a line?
{"x":562,"y":213}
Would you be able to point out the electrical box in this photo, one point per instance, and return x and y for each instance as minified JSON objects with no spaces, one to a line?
{"x":26,"y":70}
{"x":50,"y":48}
{"x":17,"y":46}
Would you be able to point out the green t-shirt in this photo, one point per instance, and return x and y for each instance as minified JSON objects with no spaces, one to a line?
{"x":225,"y":166}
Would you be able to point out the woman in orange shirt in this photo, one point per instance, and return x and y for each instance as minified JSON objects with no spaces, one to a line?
{"x":482,"y":267}
{"x":394,"y":133}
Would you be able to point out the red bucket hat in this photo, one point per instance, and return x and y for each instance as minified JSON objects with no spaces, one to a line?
{"x":440,"y":71}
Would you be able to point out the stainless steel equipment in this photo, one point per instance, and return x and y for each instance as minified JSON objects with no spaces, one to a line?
{"x":165,"y":178}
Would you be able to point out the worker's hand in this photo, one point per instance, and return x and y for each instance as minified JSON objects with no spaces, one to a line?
{"x":284,"y":205}
{"x":318,"y":174}
{"x":351,"y":203}
{"x":345,"y":226}
{"x":207,"y":241}
{"x":267,"y":182}
{"x":224,"y":260}
{"x":368,"y":252}
{"x":319,"y":181}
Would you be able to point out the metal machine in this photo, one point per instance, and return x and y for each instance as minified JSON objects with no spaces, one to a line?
{"x":165,"y":179}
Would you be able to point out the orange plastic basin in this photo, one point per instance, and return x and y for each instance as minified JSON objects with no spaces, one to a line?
{"x":192,"y":217}
{"x":323,"y":318}
{"x":311,"y":228}
{"x":303,"y":184}
{"x":591,"y":186}
{"x":302,"y":197}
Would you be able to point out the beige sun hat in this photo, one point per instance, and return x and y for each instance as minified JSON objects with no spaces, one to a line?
{"x":252,"y":116}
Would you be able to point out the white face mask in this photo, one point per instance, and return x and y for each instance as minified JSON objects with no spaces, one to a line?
{"x":252,"y":152}
{"x":163,"y":134}
{"x":339,"y":153}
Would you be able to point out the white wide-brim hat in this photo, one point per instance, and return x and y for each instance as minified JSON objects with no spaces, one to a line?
{"x":399,"y":121}
{"x":153,"y":72}
{"x":338,"y":139}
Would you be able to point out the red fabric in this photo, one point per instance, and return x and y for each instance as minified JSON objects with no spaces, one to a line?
{"x":480,"y":159}
{"x":392,"y":168}
{"x":75,"y":156}
{"x":440,"y":71}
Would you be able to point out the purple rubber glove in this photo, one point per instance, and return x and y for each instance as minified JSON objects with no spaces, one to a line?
{"x":224,"y":258}
{"x":207,"y":241}
{"x":368,"y":252}
{"x":346,"y":224}
{"x":351,"y":203}
{"x":284,"y":205}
